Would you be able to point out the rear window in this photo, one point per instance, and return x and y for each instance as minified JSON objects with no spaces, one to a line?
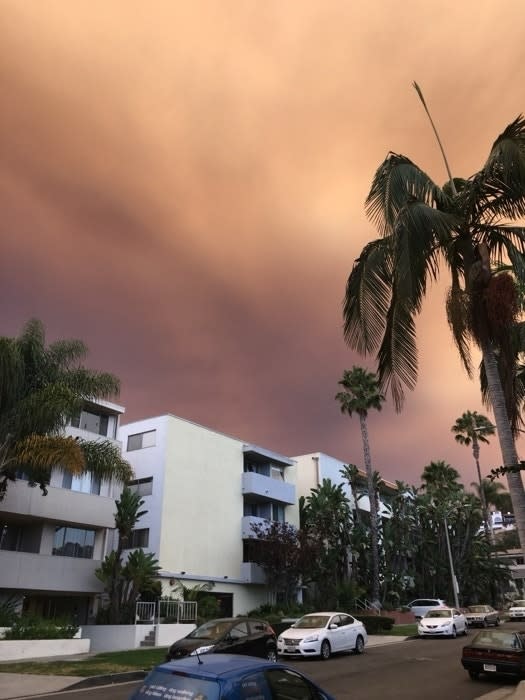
{"x":497,"y":640}
{"x":171,"y":686}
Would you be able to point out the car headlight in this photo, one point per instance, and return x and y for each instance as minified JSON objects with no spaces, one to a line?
{"x":445,"y":624}
{"x":202,"y":650}
{"x":311,"y":638}
{"x":279,"y":638}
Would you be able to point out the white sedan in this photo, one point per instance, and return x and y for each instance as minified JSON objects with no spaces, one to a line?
{"x":442,"y":622}
{"x":517,"y":610}
{"x":321,"y":634}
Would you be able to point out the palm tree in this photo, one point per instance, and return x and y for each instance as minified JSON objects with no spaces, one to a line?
{"x":41,"y":389}
{"x":465,"y":226}
{"x":360,"y":394}
{"x":473,"y":428}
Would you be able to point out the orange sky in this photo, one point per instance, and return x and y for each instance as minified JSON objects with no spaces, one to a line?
{"x":182,"y":187}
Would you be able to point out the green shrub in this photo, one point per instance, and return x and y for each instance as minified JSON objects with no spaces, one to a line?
{"x":8,"y":611}
{"x":375,"y":624}
{"x":32,"y":627}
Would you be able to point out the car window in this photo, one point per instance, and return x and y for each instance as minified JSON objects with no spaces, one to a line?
{"x":172,"y":686}
{"x":287,"y":685}
{"x":256,"y":626}
{"x":254,"y":687}
{"x":336,"y":620}
{"x":239,"y":631}
{"x":346,"y":620}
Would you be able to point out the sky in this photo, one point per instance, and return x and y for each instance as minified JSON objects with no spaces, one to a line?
{"x":182,"y":187}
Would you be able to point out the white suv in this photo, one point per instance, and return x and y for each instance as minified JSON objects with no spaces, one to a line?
{"x":421,"y":606}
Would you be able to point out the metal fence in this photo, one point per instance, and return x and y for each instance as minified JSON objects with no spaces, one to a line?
{"x":166,"y":611}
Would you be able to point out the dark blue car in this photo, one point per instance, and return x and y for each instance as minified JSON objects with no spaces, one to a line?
{"x":227,"y":677}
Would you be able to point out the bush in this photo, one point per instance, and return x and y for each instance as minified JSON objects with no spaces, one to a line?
{"x":32,"y":627}
{"x":375,"y":624}
{"x":8,"y":611}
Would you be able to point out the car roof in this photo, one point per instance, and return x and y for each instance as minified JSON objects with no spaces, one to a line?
{"x":324,"y":612}
{"x":216,"y":665}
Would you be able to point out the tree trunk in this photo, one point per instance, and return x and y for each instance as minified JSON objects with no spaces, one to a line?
{"x":505,"y":437}
{"x":373,"y":511}
{"x":489,"y":532}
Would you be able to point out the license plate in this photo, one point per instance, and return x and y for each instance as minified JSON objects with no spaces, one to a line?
{"x":290,"y":644}
{"x":489,"y":667}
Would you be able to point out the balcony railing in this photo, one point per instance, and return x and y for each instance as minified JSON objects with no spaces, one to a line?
{"x":267,"y":489}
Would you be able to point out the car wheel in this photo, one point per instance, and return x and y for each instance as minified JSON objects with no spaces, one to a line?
{"x":271,"y":654}
{"x":325,"y":650}
{"x":359,"y":645}
{"x":474,"y":675}
{"x":454,"y":632}
{"x":465,"y":631}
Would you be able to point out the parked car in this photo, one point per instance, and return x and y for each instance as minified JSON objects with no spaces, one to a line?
{"x":227,"y":677}
{"x":495,"y":652}
{"x":517,"y":610}
{"x":421,"y":606}
{"x":228,"y":635}
{"x":442,"y":622}
{"x":482,"y":616}
{"x":322,"y":634}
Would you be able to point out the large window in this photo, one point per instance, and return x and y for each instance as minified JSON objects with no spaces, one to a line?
{"x":73,"y":542}
{"x":92,"y":422}
{"x":140,"y":440}
{"x":85,"y":483}
{"x":143,"y":487}
{"x":139,"y":538}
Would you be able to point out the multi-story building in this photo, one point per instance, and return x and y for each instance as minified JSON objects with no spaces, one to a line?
{"x":202,"y":491}
{"x":50,"y":545}
{"x":314,"y":467}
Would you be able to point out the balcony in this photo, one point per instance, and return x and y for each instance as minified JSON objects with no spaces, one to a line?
{"x":252,"y":573}
{"x":40,"y":572}
{"x":60,"y":505}
{"x":247,"y":521}
{"x":267,"y":489}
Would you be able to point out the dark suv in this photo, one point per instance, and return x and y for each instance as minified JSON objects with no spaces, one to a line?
{"x":229,"y":635}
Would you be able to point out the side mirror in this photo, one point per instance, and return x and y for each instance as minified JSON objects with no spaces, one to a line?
{"x":333,"y":626}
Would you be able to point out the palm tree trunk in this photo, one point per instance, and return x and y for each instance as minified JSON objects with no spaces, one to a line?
{"x":489,"y":532}
{"x":505,"y":437}
{"x":373,"y":511}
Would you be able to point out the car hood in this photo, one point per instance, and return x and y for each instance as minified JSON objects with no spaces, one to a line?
{"x":435,"y":621}
{"x":294,"y":633}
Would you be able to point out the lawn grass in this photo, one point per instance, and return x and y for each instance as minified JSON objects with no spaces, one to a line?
{"x":95,"y":665}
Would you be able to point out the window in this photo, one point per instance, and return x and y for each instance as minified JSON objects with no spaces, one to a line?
{"x":92,"y":422}
{"x":277,"y":473}
{"x":278,"y":512}
{"x":142,"y":487}
{"x":73,"y":542}
{"x":140,"y":440}
{"x":139,"y":538}
{"x":85,"y":483}
{"x":287,"y":685}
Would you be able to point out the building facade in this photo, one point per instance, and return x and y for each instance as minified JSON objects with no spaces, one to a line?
{"x":50,"y":545}
{"x":202,"y":490}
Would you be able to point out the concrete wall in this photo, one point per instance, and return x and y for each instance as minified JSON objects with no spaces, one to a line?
{"x":20,"y":649}
{"x":122,"y":637}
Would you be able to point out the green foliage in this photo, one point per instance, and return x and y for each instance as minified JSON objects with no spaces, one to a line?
{"x":8,"y":611}
{"x":34,"y":627}
{"x":375,"y":624}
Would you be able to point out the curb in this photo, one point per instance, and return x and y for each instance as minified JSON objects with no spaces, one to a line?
{"x":108,"y":679}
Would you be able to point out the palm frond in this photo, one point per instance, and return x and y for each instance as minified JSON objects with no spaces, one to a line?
{"x":103,"y":459}
{"x":457,"y":308}
{"x":48,"y":451}
{"x":396,"y":182}
{"x":367,"y":297}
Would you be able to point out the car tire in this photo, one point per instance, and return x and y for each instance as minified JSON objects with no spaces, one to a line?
{"x":474,"y":675}
{"x":271,"y":654}
{"x":465,"y":631}
{"x":359,"y":645}
{"x":454,"y":632}
{"x":325,"y":650}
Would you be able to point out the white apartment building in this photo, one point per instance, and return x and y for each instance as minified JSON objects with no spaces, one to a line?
{"x":51,"y":545}
{"x":202,"y":490}
{"x":314,"y":467}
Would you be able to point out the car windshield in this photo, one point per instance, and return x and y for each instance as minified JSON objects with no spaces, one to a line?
{"x":502,"y":640}
{"x":312,"y":622}
{"x":172,"y":686}
{"x":518,"y":604}
{"x":214,"y":629}
{"x":439,"y":613}
{"x":479,"y":608}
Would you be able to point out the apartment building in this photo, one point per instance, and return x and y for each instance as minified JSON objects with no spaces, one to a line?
{"x":314,"y":467}
{"x":51,"y":545}
{"x":202,"y":491}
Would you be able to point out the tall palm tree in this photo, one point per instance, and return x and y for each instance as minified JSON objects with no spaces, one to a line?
{"x":465,"y":227}
{"x":359,"y":395}
{"x":472,"y":428}
{"x":41,"y":389}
